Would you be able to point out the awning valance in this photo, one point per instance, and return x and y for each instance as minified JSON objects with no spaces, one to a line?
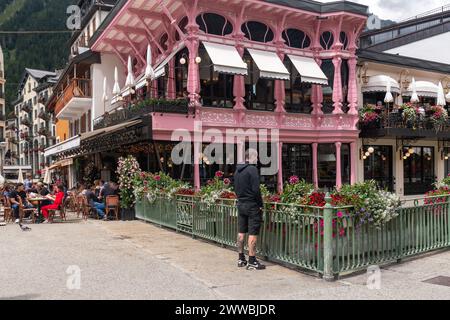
{"x":423,"y":89}
{"x":95,"y":133}
{"x":309,"y":70}
{"x":379,"y":83}
{"x":62,"y":163}
{"x":226,"y":59}
{"x":269,"y":65}
{"x":66,"y":145}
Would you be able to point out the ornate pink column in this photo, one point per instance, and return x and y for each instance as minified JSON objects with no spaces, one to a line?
{"x":193,"y":87}
{"x":353,"y":162}
{"x":280,"y":167}
{"x":338,"y":165}
{"x":315,"y":161}
{"x":317,"y":95}
{"x":239,"y":84}
{"x":171,"y":85}
{"x":280,"y":91}
{"x":352,"y":87}
{"x":337,"y":85}
{"x":154,"y":93}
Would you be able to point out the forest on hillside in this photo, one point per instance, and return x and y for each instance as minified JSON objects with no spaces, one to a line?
{"x":48,"y":51}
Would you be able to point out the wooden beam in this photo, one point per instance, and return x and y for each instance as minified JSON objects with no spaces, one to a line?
{"x":150,"y":34}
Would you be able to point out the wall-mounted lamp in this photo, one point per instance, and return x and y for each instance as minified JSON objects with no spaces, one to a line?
{"x":184,"y":59}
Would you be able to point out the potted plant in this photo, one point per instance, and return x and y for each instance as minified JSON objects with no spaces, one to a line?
{"x":410,"y":115}
{"x":438,"y":117}
{"x":127,"y":170}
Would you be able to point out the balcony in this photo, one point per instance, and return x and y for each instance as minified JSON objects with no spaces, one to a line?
{"x":75,"y":100}
{"x":26,"y":107}
{"x":43,"y":99}
{"x":13,"y":140}
{"x":26,"y":122}
{"x":395,"y":124}
{"x":44,"y":132}
{"x":44,"y":115}
{"x":123,"y":114}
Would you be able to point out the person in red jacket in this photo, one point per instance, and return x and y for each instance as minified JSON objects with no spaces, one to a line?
{"x":57,"y":202}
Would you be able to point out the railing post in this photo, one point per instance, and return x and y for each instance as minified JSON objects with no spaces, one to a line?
{"x":328,"y":274}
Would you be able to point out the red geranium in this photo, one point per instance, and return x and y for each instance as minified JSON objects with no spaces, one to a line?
{"x":219,"y":174}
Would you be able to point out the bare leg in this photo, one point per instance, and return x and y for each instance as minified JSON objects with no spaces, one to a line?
{"x":252,"y":241}
{"x":240,"y":243}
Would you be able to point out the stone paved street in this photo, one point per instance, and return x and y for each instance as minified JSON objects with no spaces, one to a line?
{"x":135,"y":260}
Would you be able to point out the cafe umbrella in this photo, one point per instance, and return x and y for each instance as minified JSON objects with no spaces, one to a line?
{"x":414,"y":96}
{"x":441,"y":95}
{"x":20,"y":176}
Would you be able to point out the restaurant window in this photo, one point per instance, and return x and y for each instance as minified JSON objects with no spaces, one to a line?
{"x":328,"y":69}
{"x":259,"y":92}
{"x":345,"y":80}
{"x":228,"y":160}
{"x":298,"y":93}
{"x":418,"y":170}
{"x":297,"y":161}
{"x":212,"y":23}
{"x":326,"y":166}
{"x":373,"y":97}
{"x":216,"y":88}
{"x":378,"y":166}
{"x":162,"y":84}
{"x":296,"y":38}
{"x":327,"y":40}
{"x":181,"y":74}
{"x":345,"y":163}
{"x":257,"y":31}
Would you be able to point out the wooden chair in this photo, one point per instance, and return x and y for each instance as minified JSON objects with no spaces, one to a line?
{"x":23,"y":211}
{"x":61,"y":211}
{"x":112,"y":204}
{"x":85,"y":208}
{"x":7,"y":210}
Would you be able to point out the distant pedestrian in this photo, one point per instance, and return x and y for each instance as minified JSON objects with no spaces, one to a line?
{"x":250,"y":206}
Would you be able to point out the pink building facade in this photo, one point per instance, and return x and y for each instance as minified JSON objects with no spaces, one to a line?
{"x":250,"y":64}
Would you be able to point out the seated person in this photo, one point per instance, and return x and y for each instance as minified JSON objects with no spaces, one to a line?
{"x":94,"y":202}
{"x":15,"y":197}
{"x":57,"y":201}
{"x":42,"y":191}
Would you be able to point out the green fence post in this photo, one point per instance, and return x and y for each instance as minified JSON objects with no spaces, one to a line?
{"x":328,"y":274}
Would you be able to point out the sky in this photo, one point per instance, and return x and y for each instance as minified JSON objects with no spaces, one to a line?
{"x":398,"y":10}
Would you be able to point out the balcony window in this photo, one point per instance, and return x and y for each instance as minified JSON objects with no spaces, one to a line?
{"x":216,"y":88}
{"x":181,"y":74}
{"x":259,"y":92}
{"x":345,"y":163}
{"x":297,"y":161}
{"x":418,"y":170}
{"x":298,"y":94}
{"x":328,"y":68}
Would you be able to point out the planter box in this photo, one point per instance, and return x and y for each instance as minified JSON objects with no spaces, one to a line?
{"x":127,"y":214}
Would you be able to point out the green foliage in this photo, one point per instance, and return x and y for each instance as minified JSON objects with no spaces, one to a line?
{"x":48,"y":51}
{"x":295,"y":190}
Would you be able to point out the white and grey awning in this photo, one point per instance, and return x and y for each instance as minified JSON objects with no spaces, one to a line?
{"x":379,"y":83}
{"x":269,"y":65}
{"x":309,"y":70}
{"x":423,"y":89}
{"x":226,"y":59}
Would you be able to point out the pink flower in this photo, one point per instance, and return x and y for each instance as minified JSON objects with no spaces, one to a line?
{"x":342,"y":232}
{"x":294,"y":180}
{"x":226,"y":181}
{"x":157,"y":178}
{"x":219,"y":174}
{"x":340,"y":214}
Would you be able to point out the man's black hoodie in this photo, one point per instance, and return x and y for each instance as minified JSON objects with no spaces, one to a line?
{"x":246,"y":185}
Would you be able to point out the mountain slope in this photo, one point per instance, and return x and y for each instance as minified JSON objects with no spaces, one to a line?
{"x":47,"y":51}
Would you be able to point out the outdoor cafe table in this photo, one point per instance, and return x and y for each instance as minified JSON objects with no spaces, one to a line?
{"x":38,"y":202}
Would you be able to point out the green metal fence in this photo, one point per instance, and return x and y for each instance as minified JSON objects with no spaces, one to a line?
{"x":312,"y":238}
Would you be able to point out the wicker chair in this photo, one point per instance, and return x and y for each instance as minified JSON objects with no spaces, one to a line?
{"x":23,"y":211}
{"x":7,"y":210}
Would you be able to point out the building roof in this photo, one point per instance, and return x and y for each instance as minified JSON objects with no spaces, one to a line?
{"x":307,"y":5}
{"x":39,"y":75}
{"x":397,"y":60}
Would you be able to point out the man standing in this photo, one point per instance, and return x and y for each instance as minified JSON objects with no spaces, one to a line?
{"x":250,"y":206}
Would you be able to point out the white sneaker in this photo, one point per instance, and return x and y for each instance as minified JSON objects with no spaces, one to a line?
{"x":17,"y":221}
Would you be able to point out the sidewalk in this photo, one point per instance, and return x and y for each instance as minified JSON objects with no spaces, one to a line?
{"x":215,"y":267}
{"x":136,"y":260}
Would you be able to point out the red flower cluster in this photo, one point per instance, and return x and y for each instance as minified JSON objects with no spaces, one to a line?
{"x":227,"y":181}
{"x":228,"y":195}
{"x":186,"y":192}
{"x":317,"y":199}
